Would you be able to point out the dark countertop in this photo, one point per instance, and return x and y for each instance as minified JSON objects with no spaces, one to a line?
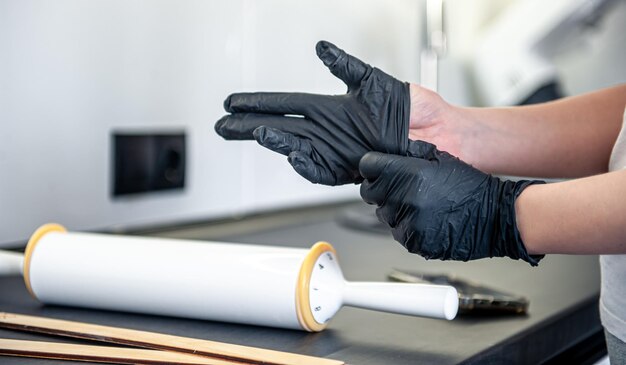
{"x":563,"y":293}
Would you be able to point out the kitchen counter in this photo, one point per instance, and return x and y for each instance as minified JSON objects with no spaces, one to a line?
{"x":562,"y":323}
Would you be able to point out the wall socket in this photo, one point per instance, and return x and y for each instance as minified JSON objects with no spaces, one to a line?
{"x":145,"y":162}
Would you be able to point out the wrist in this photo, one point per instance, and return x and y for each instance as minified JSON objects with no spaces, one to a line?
{"x":509,"y":239}
{"x":427,"y":107}
{"x":523,"y":207}
{"x":434,"y":120}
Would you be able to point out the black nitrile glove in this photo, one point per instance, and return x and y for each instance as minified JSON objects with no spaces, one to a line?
{"x":337,"y":130}
{"x":442,"y":208}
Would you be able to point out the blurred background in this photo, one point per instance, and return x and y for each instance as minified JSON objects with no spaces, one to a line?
{"x":107,"y":107}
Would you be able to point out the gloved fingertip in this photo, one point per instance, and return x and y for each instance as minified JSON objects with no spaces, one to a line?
{"x":305,"y":167}
{"x":227,"y":103}
{"x":219,"y":125}
{"x":294,"y":159}
{"x":364,"y":190}
{"x":370,"y":165}
{"x":348,"y":68}
{"x":327,"y":52}
{"x":260,"y":134}
{"x":321,"y":46}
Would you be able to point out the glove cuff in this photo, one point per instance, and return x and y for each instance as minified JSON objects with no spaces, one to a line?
{"x":507,"y":235}
{"x":403,"y":118}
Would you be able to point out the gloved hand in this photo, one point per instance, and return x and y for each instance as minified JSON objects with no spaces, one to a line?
{"x":337,"y":130}
{"x":442,"y":208}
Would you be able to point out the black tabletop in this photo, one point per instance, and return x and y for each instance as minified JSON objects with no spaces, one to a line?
{"x":563,"y":293}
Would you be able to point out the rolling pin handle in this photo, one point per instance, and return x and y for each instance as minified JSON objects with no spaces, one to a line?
{"x":11,"y":263}
{"x":435,"y":301}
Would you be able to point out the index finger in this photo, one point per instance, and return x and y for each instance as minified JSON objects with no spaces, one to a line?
{"x":273,"y":103}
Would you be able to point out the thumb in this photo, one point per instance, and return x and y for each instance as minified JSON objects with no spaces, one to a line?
{"x":348,"y":68}
{"x":373,"y":164}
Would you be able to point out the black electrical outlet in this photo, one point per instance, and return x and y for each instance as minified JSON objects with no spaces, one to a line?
{"x":148,"y":162}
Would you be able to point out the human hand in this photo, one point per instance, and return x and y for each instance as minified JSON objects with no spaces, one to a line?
{"x":442,"y":208}
{"x":335,"y":131}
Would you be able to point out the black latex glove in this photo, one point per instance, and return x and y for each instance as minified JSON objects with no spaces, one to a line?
{"x":337,"y":130}
{"x":442,"y":208}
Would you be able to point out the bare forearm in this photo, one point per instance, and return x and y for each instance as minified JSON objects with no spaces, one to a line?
{"x":571,"y":137}
{"x":582,"y":216}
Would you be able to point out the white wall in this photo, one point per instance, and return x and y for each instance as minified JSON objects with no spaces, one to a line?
{"x":72,"y":71}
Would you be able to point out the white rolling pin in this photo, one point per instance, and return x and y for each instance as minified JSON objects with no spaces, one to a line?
{"x":252,"y":284}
